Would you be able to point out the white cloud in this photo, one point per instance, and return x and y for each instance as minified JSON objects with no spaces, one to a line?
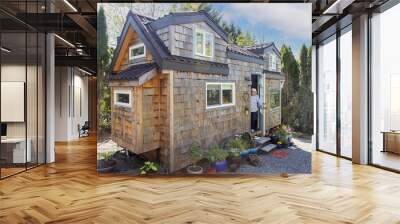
{"x":289,"y":18}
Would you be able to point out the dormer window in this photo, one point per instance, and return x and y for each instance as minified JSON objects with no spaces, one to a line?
{"x":203,"y":43}
{"x":137,"y":51}
{"x":272,"y":61}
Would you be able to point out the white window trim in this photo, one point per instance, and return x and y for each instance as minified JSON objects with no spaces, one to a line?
{"x":221,"y":97}
{"x":203,"y":54}
{"x":280,"y":99}
{"x":131,"y":57}
{"x":273,"y":58}
{"x":123,"y":91}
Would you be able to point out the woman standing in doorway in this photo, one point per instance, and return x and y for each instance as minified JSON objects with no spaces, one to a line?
{"x":255,"y":104}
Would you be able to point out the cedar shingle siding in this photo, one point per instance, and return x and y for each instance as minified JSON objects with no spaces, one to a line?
{"x":161,"y":120}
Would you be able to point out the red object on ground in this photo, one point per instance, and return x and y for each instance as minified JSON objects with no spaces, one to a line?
{"x":280,"y":154}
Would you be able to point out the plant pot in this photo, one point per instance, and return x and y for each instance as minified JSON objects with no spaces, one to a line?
{"x":244,"y":153}
{"x":274,"y":139}
{"x":233,"y":163}
{"x":253,"y":150}
{"x":220,"y":166}
{"x":211,"y":170}
{"x":279,"y":146}
{"x":194,"y":169}
{"x":105,"y":166}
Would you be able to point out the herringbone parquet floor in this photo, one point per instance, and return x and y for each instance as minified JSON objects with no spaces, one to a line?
{"x":70,"y":191}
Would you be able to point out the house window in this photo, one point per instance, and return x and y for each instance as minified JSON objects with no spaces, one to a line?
{"x":137,"y":51}
{"x":204,"y":43}
{"x":123,"y":98}
{"x":272,"y":61}
{"x":275,"y":99}
{"x":220,"y":94}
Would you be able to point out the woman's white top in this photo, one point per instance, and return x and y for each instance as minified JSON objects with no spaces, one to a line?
{"x":255,"y":103}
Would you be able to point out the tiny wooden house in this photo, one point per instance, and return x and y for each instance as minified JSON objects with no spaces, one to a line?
{"x":177,"y":79}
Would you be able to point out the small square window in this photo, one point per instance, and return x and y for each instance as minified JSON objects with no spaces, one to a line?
{"x":122,"y":97}
{"x":137,"y":51}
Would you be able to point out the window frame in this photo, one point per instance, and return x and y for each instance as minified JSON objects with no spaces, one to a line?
{"x":221,"y":96}
{"x":123,"y":91}
{"x":204,"y":33}
{"x":273,"y":90}
{"x":135,"y":46}
{"x":273,"y":61}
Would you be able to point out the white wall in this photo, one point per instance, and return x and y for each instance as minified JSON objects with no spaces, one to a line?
{"x":71,"y":87}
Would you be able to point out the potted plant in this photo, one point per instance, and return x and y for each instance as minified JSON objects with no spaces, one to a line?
{"x":282,"y":135}
{"x":149,"y":167}
{"x":106,"y":163}
{"x":238,"y":143}
{"x":233,"y":159}
{"x":195,"y":155}
{"x":279,"y":144}
{"x":217,"y":156}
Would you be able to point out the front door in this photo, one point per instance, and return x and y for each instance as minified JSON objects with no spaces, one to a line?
{"x":261,"y":93}
{"x":258,"y":82}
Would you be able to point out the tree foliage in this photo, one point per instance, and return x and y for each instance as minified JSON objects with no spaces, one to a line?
{"x":103,"y":60}
{"x":297,"y":97}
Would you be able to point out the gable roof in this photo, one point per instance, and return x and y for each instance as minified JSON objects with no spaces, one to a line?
{"x":134,"y":72}
{"x":189,"y":17}
{"x":161,"y":54}
{"x":260,"y":48}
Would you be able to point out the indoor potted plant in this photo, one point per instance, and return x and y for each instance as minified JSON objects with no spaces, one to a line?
{"x":217,"y":156}
{"x":149,"y":167}
{"x":106,"y":163}
{"x":195,"y":155}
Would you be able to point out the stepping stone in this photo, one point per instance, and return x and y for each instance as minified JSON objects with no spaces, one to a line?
{"x":268,"y":147}
{"x":262,"y":140}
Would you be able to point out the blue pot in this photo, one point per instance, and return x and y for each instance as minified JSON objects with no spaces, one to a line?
{"x":244,"y":153}
{"x":220,"y":166}
{"x":252,"y":150}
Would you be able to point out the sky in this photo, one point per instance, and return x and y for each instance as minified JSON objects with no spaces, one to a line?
{"x":281,"y":23}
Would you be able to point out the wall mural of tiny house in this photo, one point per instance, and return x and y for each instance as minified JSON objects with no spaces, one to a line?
{"x":188,"y":89}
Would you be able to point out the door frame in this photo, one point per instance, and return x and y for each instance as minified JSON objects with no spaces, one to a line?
{"x":261,"y":93}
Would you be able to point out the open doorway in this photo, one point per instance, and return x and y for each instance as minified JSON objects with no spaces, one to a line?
{"x":257,"y":82}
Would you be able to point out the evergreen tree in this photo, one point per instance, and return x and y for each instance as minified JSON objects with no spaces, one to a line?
{"x":305,"y":92}
{"x":103,"y":60}
{"x":290,"y":89}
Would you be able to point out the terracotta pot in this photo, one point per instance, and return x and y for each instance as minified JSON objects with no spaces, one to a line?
{"x":211,"y":170}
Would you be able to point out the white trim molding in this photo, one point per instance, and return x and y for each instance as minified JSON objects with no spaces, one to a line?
{"x":221,"y":96}
{"x":135,"y":46}
{"x":123,"y":91}
{"x":204,"y":33}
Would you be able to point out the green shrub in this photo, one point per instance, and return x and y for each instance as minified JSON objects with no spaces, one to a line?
{"x":149,"y":167}
{"x":237,"y":143}
{"x":195,"y":152}
{"x":215,"y":153}
{"x":105,"y":155}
